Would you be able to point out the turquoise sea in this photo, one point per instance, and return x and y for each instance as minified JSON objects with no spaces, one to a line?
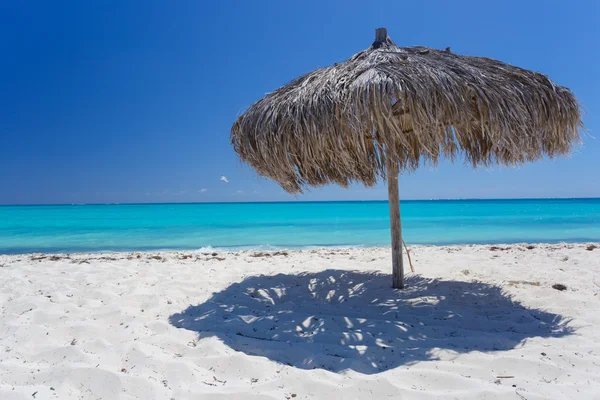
{"x":82,"y":228}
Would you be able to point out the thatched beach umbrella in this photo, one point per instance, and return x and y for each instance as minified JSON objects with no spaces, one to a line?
{"x":389,"y":108}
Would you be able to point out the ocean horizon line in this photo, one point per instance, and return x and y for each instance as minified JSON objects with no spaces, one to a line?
{"x":298,"y":201}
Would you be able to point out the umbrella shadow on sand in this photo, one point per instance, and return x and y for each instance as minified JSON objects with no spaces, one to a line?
{"x":339,"y":320}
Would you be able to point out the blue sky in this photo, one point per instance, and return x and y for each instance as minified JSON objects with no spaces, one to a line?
{"x":111,"y":101}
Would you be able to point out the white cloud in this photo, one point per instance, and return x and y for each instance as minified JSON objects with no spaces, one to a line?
{"x":224,"y":179}
{"x":239,"y":192}
{"x":203,"y":190}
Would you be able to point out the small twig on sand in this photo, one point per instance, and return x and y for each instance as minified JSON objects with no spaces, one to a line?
{"x":504,"y":376}
{"x":412,"y":269}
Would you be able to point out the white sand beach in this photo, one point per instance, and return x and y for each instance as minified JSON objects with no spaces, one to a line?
{"x":475,"y":322}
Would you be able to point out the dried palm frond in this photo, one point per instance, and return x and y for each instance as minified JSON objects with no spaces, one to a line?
{"x":408,"y":105}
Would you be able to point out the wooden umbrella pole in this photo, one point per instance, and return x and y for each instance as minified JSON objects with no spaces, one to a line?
{"x":394,"y":200}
